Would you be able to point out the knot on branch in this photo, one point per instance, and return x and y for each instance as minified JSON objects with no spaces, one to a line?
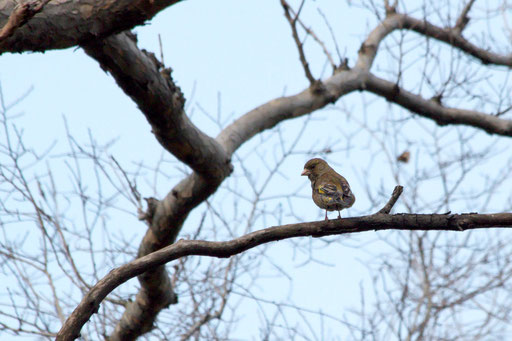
{"x":367,"y":48}
{"x":318,"y":88}
{"x":438,"y":99}
{"x":177,"y":95}
{"x":390,"y":9}
{"x":391,"y":96}
{"x":150,"y":212}
{"x":230,"y":167}
{"x":342,"y":67}
{"x":158,"y":64}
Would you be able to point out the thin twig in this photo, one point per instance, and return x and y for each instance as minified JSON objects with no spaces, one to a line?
{"x":295,"y":34}
{"x":394,"y":197}
{"x":335,"y":42}
{"x":463,"y":19}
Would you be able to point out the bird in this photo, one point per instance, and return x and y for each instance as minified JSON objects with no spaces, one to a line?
{"x":331,"y":191}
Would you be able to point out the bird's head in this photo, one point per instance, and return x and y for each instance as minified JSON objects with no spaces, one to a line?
{"x":314,"y":167}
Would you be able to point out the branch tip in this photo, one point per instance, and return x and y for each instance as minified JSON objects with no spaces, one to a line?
{"x":392,"y":201}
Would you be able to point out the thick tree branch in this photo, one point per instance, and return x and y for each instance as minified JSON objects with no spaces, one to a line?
{"x":379,"y":221}
{"x":369,"y":48}
{"x":145,"y":80}
{"x":280,"y":109}
{"x":172,"y":211}
{"x":139,"y":74}
{"x":136,"y":72}
{"x":156,"y":292}
{"x":64,"y":24}
{"x":434,"y":110}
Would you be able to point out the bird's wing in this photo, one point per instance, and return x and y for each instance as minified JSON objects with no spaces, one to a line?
{"x":329,"y":193}
{"x":345,"y":188}
{"x":336,"y":186}
{"x":339,"y":182}
{"x":328,"y":189}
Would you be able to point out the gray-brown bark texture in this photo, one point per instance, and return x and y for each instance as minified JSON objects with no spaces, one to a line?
{"x":64,"y":24}
{"x":379,"y":221}
{"x":98,"y":27}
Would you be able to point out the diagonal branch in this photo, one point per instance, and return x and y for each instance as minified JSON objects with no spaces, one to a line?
{"x":170,"y":213}
{"x":63,"y":24}
{"x":428,"y":222}
{"x":139,"y":74}
{"x":397,"y":21}
{"x":137,"y":71}
{"x":463,"y":19}
{"x":392,"y":201}
{"x":298,"y":42}
{"x":434,"y":110}
{"x":151,"y":86}
{"x":453,"y":38}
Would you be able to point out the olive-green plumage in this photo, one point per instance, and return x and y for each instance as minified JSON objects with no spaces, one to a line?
{"x":331,"y":191}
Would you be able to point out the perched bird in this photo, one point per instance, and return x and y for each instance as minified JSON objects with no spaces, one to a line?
{"x":331,"y":191}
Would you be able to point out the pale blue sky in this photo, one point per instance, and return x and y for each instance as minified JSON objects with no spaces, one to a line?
{"x":241,"y":52}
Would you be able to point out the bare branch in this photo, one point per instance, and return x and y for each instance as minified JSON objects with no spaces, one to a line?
{"x":171,"y":126}
{"x":397,"y":21}
{"x":326,"y":52}
{"x":298,"y":43}
{"x":450,"y":37}
{"x":392,"y":201}
{"x":463,"y":19}
{"x":428,"y":222}
{"x":173,"y":210}
{"x":277,"y":110}
{"x":71,"y":27}
{"x":434,"y":110}
{"x":151,"y":86}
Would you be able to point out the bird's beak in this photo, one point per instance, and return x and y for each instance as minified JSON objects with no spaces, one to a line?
{"x":305,"y":172}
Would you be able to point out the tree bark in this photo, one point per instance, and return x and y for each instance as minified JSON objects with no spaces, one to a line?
{"x":63,"y":24}
{"x":96,"y":25}
{"x":379,"y":221}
